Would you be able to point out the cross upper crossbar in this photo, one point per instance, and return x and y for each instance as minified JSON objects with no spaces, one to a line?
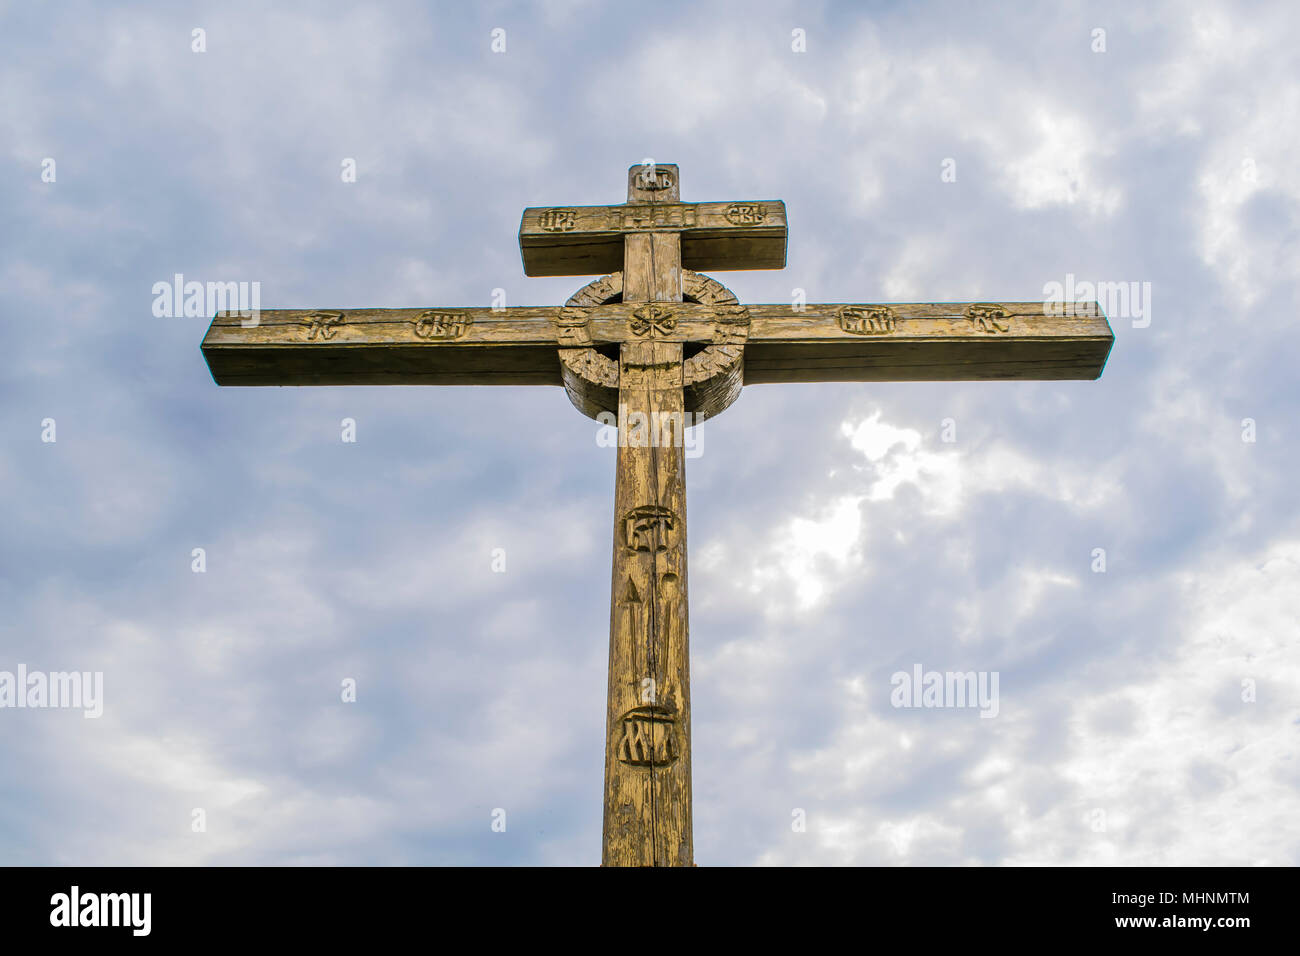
{"x":588,"y":240}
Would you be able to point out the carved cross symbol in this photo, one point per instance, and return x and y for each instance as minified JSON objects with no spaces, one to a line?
{"x":651,"y":320}
{"x":684,"y":346}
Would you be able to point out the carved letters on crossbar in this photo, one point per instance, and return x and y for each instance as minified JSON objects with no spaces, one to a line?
{"x":442,"y":325}
{"x":322,"y":324}
{"x":634,"y":217}
{"x":882,"y":320}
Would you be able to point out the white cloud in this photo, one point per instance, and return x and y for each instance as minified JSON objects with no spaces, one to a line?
{"x":1061,"y":168}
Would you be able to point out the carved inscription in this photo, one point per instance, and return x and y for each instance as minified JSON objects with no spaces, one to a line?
{"x":655,"y":179}
{"x":557,"y":220}
{"x":651,"y":320}
{"x":649,"y":529}
{"x":867,"y":320}
{"x":322,"y":324}
{"x":745,"y":213}
{"x":988,"y":318}
{"x":442,"y":325}
{"x":652,"y":216}
{"x":648,"y":737}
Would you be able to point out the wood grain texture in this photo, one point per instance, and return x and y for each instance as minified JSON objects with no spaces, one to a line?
{"x":647,"y":818}
{"x":517,"y":346}
{"x":648,"y":718}
{"x":929,"y":341}
{"x":588,"y":240}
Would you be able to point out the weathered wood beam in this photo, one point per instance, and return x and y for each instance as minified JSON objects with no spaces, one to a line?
{"x":716,"y":236}
{"x":385,"y":347}
{"x":931,"y":341}
{"x":648,"y":717}
{"x":840,"y":342}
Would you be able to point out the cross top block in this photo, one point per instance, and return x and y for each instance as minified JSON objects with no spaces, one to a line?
{"x":715,"y":236}
{"x":649,"y":182}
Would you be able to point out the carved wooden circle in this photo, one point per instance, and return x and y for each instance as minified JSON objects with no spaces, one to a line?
{"x":712,"y":375}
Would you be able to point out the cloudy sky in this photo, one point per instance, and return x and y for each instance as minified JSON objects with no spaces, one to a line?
{"x":1147,"y":714}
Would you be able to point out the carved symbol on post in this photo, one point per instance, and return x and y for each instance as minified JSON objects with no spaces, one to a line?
{"x":630,"y":594}
{"x":648,"y":528}
{"x":867,"y":320}
{"x":985,"y":317}
{"x":654,"y":179}
{"x":652,"y":320}
{"x":557,"y":220}
{"x":649,"y":737}
{"x":442,"y":325}
{"x":745,"y":213}
{"x":323,"y":324}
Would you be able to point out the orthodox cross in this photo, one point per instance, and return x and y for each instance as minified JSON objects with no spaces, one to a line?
{"x":655,"y":341}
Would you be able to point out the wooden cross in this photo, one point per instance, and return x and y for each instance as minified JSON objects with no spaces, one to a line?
{"x":660,"y":346}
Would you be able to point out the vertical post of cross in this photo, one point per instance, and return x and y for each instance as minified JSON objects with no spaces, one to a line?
{"x":648,"y":728}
